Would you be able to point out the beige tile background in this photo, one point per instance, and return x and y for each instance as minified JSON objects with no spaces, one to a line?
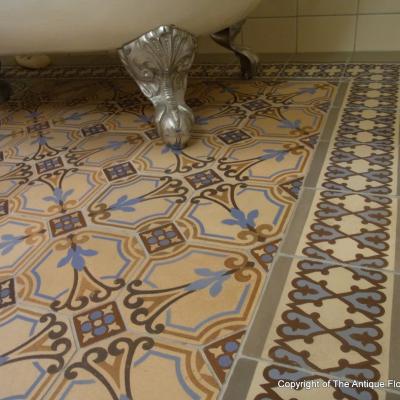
{"x":298,"y":26}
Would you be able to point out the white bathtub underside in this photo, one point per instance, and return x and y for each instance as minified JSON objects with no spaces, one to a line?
{"x":31,"y":26}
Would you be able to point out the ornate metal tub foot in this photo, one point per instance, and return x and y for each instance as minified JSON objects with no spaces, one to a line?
{"x":249,"y":61}
{"x":159,"y":61}
{"x":5,"y":90}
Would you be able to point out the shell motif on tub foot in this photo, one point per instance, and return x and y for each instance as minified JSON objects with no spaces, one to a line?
{"x":159,"y":61}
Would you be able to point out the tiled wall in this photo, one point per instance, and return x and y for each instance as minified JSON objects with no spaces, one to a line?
{"x":290,"y":26}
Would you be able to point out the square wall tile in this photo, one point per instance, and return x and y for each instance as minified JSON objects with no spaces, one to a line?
{"x":275,"y":8}
{"x":270,"y":35}
{"x":381,"y":6}
{"x":378,"y":32}
{"x":327,"y":7}
{"x":326,"y":34}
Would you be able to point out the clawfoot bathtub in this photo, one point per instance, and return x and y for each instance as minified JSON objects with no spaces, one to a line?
{"x":156,"y":41}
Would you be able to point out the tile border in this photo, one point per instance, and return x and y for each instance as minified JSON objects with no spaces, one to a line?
{"x":241,"y":378}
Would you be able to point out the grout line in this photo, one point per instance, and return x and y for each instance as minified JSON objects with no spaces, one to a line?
{"x":356,"y":27}
{"x":354,"y":14}
{"x":297,"y":26}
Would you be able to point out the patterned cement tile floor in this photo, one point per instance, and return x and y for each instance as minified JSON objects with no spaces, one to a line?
{"x":130,"y":271}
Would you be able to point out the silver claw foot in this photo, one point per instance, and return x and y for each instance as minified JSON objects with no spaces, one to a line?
{"x":5,"y":90}
{"x":159,"y":61}
{"x":249,"y":61}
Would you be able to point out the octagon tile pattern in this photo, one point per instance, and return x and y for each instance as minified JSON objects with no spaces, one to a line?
{"x":129,"y":270}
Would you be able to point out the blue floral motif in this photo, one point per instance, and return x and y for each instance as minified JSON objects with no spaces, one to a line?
{"x":76,"y":116}
{"x":201,"y":120}
{"x":8,"y":242}
{"x":115,"y":144}
{"x":144,"y":118}
{"x":59,"y":196}
{"x":167,"y":149}
{"x":290,"y":124}
{"x":76,"y":256}
{"x":125,"y":204}
{"x":228,"y":89}
{"x":41,"y":140}
{"x":309,"y":90}
{"x":3,"y":359}
{"x":277,"y":155}
{"x":212,"y":279}
{"x":34,"y":114}
{"x":241,"y":219}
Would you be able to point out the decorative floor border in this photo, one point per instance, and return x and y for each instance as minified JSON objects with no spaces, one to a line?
{"x":353,"y":180}
{"x":271,"y":70}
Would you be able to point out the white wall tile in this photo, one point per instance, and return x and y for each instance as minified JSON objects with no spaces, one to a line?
{"x":327,"y":7}
{"x":379,"y":6}
{"x":284,"y":26}
{"x":378,"y":32}
{"x":276,"y":8}
{"x":326,"y":34}
{"x":270,"y":35}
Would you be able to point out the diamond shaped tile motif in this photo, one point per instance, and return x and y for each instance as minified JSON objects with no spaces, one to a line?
{"x":161,"y":238}
{"x":119,"y":171}
{"x":40,"y":126}
{"x":222,"y":353}
{"x":3,"y":207}
{"x":234,"y":137}
{"x":7,"y":293}
{"x":93,"y":130}
{"x":98,"y":324}
{"x":200,"y":180}
{"x":67,"y":223}
{"x":49,"y":164}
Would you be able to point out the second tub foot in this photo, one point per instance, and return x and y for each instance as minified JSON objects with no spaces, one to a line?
{"x":249,"y":61}
{"x":159,"y":61}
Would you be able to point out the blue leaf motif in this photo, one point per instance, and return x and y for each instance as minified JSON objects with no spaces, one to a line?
{"x":115,"y":144}
{"x":144,"y":118}
{"x":3,"y":359}
{"x":308,"y":90}
{"x":125,"y":204}
{"x":199,"y":284}
{"x":78,"y":262}
{"x":201,"y":120}
{"x":204,"y":272}
{"x":65,"y":260}
{"x":214,"y":281}
{"x":76,"y":256}
{"x":290,"y":124}
{"x":167,"y":149}
{"x":76,"y":116}
{"x":278,"y":155}
{"x":251,"y":217}
{"x":67,"y":194}
{"x":241,"y":219}
{"x":216,"y":289}
{"x":59,"y":196}
{"x":8,"y":242}
{"x":41,"y":140}
{"x":230,"y":222}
